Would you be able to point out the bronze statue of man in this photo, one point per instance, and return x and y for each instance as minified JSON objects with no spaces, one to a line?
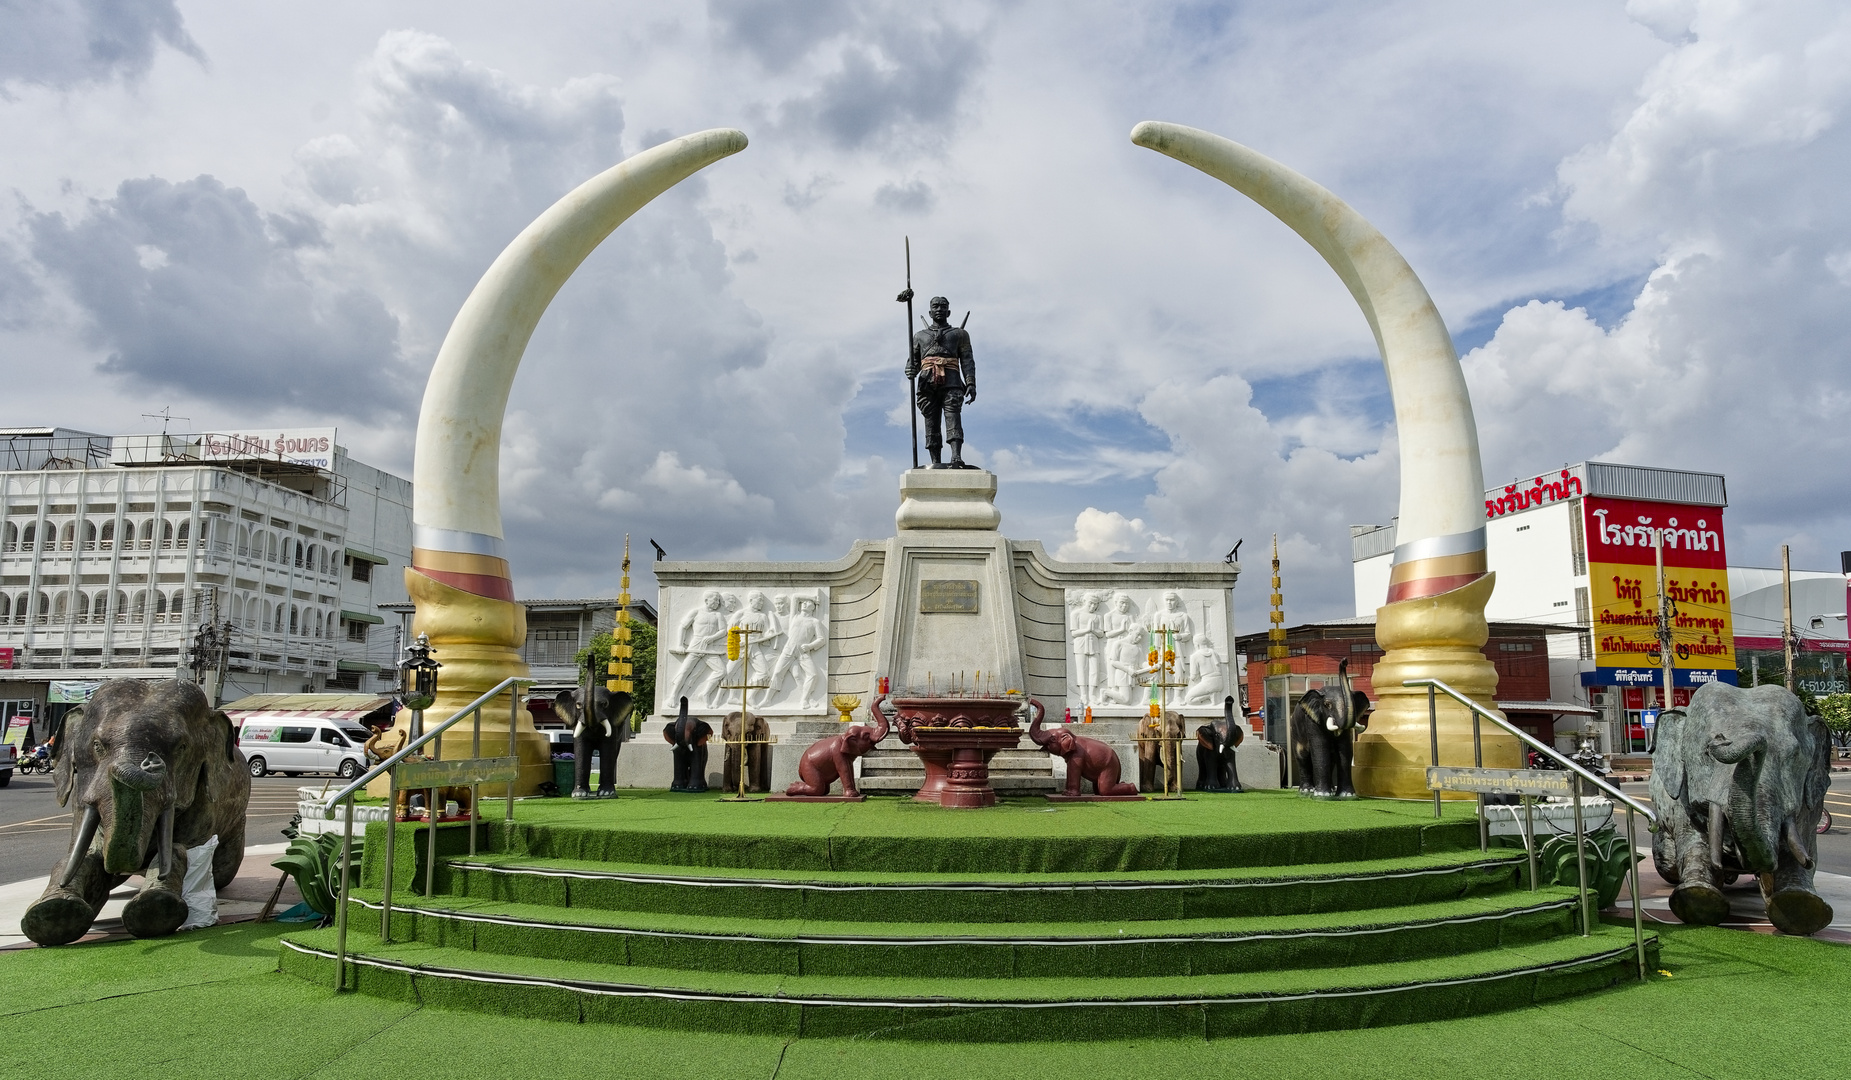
{"x":941,"y":358}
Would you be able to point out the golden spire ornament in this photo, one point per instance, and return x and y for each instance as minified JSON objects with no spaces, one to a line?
{"x":620,"y":669}
{"x":1276,"y":650}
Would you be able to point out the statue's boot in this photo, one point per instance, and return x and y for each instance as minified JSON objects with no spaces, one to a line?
{"x":957,"y":455}
{"x":936,"y":463}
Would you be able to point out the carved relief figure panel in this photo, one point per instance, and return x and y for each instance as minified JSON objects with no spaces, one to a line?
{"x":1110,"y":633}
{"x":788,"y":661}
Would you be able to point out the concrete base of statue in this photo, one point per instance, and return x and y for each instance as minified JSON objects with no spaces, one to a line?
{"x":1434,"y":637}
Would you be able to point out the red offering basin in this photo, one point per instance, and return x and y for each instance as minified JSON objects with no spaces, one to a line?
{"x":955,"y":738}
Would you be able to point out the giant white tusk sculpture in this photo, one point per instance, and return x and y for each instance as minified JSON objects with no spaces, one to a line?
{"x":458,"y":578}
{"x":1433,"y":624}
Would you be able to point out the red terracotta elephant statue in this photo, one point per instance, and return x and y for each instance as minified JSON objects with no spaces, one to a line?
{"x":1087,"y":759}
{"x":831,"y":759}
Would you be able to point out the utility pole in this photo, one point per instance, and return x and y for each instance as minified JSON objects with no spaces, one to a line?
{"x":218,"y":692}
{"x":1786,"y":612}
{"x":1665,"y":617}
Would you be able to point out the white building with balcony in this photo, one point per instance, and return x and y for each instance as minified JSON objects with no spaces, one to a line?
{"x":115,"y":551}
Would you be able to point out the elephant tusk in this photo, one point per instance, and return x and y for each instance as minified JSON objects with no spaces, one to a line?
{"x":1441,"y":542}
{"x":1790,"y":832}
{"x":86,"y":834}
{"x":456,"y":517}
{"x":164,"y":830}
{"x":1716,"y":822}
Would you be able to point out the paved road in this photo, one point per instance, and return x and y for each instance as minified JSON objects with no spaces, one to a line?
{"x":1834,"y":844}
{"x":35,"y":831}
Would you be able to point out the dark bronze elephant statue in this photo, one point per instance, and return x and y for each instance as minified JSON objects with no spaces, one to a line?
{"x":688,"y":735}
{"x":600,"y":719}
{"x":155,"y":770}
{"x":1215,"y":745}
{"x":1324,"y":727}
{"x":1738,"y":782}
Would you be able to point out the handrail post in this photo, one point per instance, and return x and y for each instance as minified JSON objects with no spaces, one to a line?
{"x":514,"y":709}
{"x":1433,"y":739}
{"x":1587,"y":915}
{"x":431,"y":813}
{"x":1529,"y":824}
{"x":340,"y":916}
{"x":385,"y":900}
{"x":1478,"y":762}
{"x":1638,"y":902}
{"x":475,"y":790}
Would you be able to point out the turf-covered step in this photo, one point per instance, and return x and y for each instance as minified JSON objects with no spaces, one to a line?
{"x":898,"y":1006}
{"x":900,"y":897}
{"x":1256,"y":829}
{"x":1137,"y":947}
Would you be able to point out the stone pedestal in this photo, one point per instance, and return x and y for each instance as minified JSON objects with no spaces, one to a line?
{"x":950,"y":609}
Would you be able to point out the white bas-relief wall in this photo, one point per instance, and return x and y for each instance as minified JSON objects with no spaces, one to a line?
{"x":1109,"y":637}
{"x":789,"y":656}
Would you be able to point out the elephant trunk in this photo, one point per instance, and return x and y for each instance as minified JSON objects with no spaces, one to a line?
{"x":1036,"y":735}
{"x":86,"y":834}
{"x":1756,"y":828}
{"x":125,"y":843}
{"x":880,"y":722}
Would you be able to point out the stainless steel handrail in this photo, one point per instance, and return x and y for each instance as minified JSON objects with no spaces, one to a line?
{"x":1632,"y":805}
{"x":378,"y":770}
{"x":349,"y":793}
{"x":1570,"y":764}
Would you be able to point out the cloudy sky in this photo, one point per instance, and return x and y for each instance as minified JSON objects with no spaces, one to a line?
{"x":1632,"y":216}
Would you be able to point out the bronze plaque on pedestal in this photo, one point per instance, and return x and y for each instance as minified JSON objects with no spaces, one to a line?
{"x":948,"y":597}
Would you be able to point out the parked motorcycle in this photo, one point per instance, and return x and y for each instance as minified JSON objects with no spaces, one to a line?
{"x":35,"y":761}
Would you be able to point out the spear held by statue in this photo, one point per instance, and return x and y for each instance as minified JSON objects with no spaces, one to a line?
{"x":912,"y":383}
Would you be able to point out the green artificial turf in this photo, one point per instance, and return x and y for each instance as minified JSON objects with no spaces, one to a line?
{"x":904,"y":898}
{"x":1735,"y":1007}
{"x":986,"y":950}
{"x":1107,"y":1006}
{"x":1261,"y":828}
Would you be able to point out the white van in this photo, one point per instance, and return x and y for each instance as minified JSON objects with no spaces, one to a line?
{"x":297,"y":745}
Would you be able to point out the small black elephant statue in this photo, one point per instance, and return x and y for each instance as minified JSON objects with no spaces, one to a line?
{"x":154,"y":770}
{"x":1324,"y":726}
{"x":688,"y":735}
{"x":1215,"y":744}
{"x":600,"y":720}
{"x":1738,"y":782}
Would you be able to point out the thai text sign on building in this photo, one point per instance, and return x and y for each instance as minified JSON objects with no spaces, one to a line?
{"x":1623,"y":591}
{"x":298,"y":446}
